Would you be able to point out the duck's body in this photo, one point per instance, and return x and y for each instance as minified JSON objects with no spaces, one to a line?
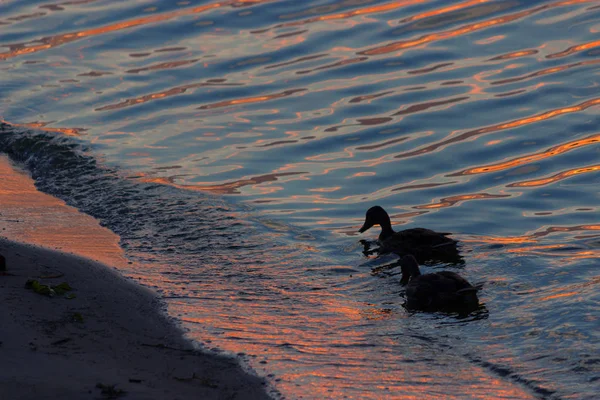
{"x":424,"y":244}
{"x":439,"y":291}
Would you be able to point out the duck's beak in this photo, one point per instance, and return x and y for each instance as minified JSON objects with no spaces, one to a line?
{"x":366,"y":226}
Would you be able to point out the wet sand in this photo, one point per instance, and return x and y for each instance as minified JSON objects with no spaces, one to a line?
{"x":110,"y":333}
{"x":112,"y":338}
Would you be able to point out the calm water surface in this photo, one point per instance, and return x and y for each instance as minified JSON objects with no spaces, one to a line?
{"x":235,"y":146}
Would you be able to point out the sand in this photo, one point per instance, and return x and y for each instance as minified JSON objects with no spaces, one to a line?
{"x":30,"y":216}
{"x":112,"y":334}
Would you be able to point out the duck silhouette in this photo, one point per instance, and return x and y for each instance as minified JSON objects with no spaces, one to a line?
{"x":424,"y":244}
{"x":439,"y":291}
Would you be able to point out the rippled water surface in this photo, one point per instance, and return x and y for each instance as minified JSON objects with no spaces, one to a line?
{"x":235,"y":147}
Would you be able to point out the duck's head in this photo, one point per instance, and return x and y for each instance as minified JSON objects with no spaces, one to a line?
{"x":376,"y":216}
{"x":410,"y":266}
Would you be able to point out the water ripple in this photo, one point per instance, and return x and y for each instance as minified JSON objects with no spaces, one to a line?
{"x":234,"y":146}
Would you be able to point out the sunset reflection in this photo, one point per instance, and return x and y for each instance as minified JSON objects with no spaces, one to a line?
{"x":516,"y":54}
{"x":445,"y":10}
{"x":502,"y":126}
{"x":536,"y":236}
{"x":249,"y":100}
{"x":575,"y":49}
{"x":453,"y":200}
{"x":546,"y":71}
{"x":59,"y":40}
{"x":163,"y":94}
{"x":551,"y":152}
{"x":224,"y":188}
{"x":230,"y":149}
{"x":356,"y":12}
{"x":43,"y":126}
{"x":558,"y":177}
{"x":466,"y":29}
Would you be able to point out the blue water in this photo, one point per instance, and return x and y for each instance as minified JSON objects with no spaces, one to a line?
{"x":235,"y":147}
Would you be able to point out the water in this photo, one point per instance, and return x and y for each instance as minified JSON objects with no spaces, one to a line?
{"x":235,"y":147}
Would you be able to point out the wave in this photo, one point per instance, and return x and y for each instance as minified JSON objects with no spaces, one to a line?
{"x":188,"y":222}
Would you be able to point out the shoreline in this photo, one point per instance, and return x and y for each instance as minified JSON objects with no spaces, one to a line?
{"x":113,"y":332}
{"x":111,"y":336}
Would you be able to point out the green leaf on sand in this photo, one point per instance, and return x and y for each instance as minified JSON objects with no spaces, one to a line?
{"x":77,"y":317}
{"x":110,"y":391}
{"x":48,"y":290}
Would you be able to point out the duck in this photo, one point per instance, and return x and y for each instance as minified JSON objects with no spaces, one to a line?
{"x":439,"y":291}
{"x":425,"y":244}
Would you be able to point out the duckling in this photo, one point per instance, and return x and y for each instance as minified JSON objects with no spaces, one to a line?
{"x":424,"y":244}
{"x":439,"y":291}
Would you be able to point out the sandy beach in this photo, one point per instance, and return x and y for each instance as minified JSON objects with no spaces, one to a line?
{"x":108,"y":340}
{"x":108,"y":336}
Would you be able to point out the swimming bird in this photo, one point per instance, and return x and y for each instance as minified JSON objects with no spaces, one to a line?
{"x":424,"y":244}
{"x":439,"y":291}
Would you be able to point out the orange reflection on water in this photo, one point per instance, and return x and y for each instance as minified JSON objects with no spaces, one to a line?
{"x":58,"y":40}
{"x":540,"y":117}
{"x":545,"y":247}
{"x":254,"y":99}
{"x":545,"y":71}
{"x":412,"y":109}
{"x":559,"y":296}
{"x":501,"y":240}
{"x":326,"y":189}
{"x":451,"y":201}
{"x":575,"y":49}
{"x":164,"y":94}
{"x":465,"y":29}
{"x":356,"y":12}
{"x":327,"y":367}
{"x":516,"y":54}
{"x":370,"y":10}
{"x":503,"y":126}
{"x":551,"y":152}
{"x":534,"y":237}
{"x":421,"y":186}
{"x":42,"y":126}
{"x":574,"y":228}
{"x":557,"y":177}
{"x":362,"y":174}
{"x":564,"y":251}
{"x":444,"y":10}
{"x":222,"y":188}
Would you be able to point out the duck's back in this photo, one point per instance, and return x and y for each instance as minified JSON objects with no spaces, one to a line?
{"x":424,"y":244}
{"x":421,"y":237}
{"x":440,"y":290}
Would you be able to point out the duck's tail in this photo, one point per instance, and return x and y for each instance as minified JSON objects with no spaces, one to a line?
{"x":472,"y":289}
{"x":467,"y":297}
{"x":467,"y":290}
{"x":450,"y":242}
